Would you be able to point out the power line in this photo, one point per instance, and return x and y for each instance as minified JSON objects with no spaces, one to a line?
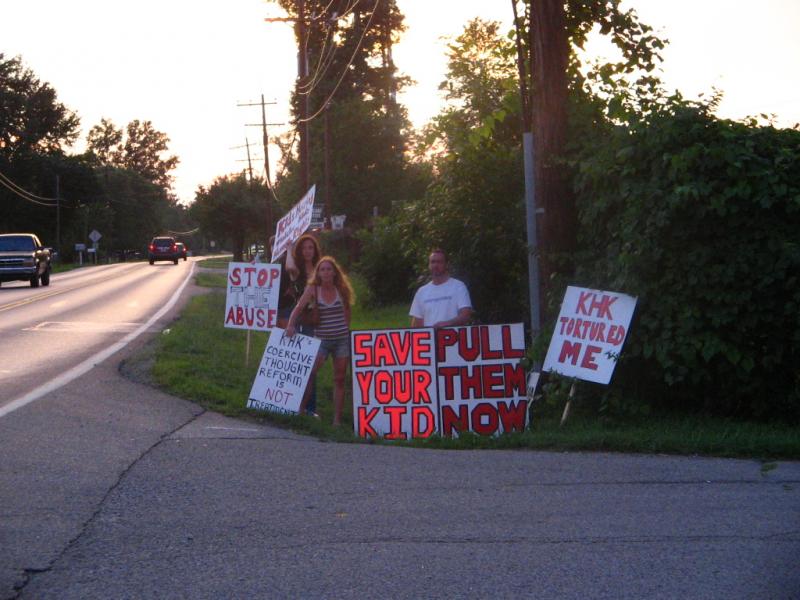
{"x":25,"y":194}
{"x":347,"y":67}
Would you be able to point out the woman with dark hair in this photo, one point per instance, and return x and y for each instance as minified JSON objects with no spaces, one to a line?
{"x":330,"y":289}
{"x":306,"y":254}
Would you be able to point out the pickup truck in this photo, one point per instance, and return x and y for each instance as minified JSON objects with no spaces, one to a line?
{"x":24,"y":258}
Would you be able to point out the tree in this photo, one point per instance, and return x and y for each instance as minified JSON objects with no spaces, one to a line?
{"x":31,"y":118}
{"x":350,"y":93}
{"x":105,"y":141}
{"x":231,"y":208}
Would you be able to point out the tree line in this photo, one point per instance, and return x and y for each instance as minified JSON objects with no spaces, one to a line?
{"x":120,"y":185}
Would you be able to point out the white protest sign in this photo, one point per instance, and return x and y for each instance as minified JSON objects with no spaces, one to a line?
{"x":589,"y":334}
{"x":252,"y":298}
{"x":394,"y":383}
{"x":482,"y":385}
{"x":283,"y":373}
{"x":293,"y":224}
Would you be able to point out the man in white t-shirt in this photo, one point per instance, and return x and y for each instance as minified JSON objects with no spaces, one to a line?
{"x":444,"y":302}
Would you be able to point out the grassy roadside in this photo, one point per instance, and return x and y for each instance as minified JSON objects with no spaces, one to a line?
{"x":198,"y":359}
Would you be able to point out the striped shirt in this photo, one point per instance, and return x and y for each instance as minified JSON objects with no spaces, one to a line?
{"x":332,"y":321}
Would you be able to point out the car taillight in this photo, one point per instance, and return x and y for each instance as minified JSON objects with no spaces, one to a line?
{"x":174,"y":248}
{"x":152,"y":247}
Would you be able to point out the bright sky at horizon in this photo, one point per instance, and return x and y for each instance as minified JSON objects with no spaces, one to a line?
{"x":185,"y":65}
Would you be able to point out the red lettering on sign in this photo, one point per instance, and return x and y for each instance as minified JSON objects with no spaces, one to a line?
{"x":364,"y":379}
{"x":401,"y":342}
{"x":449,"y":373}
{"x":445,"y":338}
{"x":484,"y":409}
{"x":422,"y":382}
{"x":470,"y":382}
{"x":364,"y":420}
{"x":395,"y":422}
{"x":508,"y":347}
{"x":421,"y":348}
{"x":454,"y":422}
{"x":230,"y":317}
{"x":616,"y":334}
{"x":569,"y":351}
{"x":515,"y":381}
{"x":383,"y":387}
{"x":486,"y":347}
{"x":383,"y":351}
{"x":249,"y":271}
{"x":235,"y":276}
{"x":417,"y":414}
{"x":513,"y":417}
{"x":588,"y":358}
{"x":360,"y":350}
{"x":601,"y":306}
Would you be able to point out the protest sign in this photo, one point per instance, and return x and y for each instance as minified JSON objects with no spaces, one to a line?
{"x":283,"y":373}
{"x":589,"y":334}
{"x":252,"y":297}
{"x":394,"y":384}
{"x":293,"y":224}
{"x":412,"y":383}
{"x":482,"y":386}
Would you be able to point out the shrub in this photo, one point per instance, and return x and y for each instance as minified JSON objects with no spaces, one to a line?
{"x":698,"y":217}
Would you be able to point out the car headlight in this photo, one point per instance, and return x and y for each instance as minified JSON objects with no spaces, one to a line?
{"x":28,"y":262}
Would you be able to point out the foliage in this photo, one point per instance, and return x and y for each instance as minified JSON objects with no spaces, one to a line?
{"x":139,"y":150}
{"x":384,"y":262}
{"x":698,"y":217}
{"x":234,"y":209}
{"x":358,"y":133}
{"x":31,"y":118}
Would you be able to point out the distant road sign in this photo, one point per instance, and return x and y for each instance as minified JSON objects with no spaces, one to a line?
{"x":95,"y":235}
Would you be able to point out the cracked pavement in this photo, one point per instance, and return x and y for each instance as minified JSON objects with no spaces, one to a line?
{"x":111,"y":489}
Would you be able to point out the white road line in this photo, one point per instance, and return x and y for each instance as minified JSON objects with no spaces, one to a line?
{"x":94,"y":360}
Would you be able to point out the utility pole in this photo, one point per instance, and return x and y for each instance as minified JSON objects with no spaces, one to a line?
{"x":302,"y":76}
{"x":327,"y":222}
{"x":265,"y":141}
{"x":58,"y":216}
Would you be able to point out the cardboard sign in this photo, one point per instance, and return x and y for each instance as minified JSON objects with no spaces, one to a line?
{"x":482,"y":386}
{"x":252,"y":298}
{"x":283,"y":373}
{"x":394,"y":383}
{"x":293,"y":224}
{"x":413,"y":383}
{"x":589,"y":334}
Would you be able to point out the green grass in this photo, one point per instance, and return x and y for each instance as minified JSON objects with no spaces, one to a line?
{"x":200,"y":360}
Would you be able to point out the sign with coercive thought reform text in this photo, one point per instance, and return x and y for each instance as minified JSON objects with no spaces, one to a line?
{"x":589,"y":334}
{"x":413,"y":383}
{"x":283,"y":372}
{"x":293,"y":224}
{"x":252,"y":296}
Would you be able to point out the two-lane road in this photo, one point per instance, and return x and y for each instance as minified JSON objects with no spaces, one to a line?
{"x":48,"y":331}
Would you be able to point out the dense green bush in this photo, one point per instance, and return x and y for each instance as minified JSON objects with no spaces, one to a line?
{"x":700,"y":218}
{"x":386,"y":262}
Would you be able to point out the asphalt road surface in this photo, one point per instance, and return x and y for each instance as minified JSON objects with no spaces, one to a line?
{"x":112,"y":489}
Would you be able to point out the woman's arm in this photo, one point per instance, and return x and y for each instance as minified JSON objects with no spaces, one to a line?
{"x":299,"y":307}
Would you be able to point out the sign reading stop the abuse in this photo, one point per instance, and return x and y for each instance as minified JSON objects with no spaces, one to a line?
{"x":252,"y":297}
{"x":590,"y":331}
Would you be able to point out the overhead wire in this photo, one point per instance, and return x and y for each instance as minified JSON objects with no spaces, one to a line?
{"x":25,"y":194}
{"x":347,"y":67}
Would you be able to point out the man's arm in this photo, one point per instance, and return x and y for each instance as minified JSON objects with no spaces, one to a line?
{"x":462,"y":318}
{"x":417,"y":322}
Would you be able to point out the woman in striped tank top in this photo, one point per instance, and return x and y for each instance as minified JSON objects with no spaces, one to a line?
{"x":330,"y":289}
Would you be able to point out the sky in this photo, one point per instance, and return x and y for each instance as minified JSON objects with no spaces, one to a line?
{"x":187,"y":65}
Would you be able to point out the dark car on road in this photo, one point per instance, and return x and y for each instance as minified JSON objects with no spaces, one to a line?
{"x":181,"y":250}
{"x":163,"y":248}
{"x":24,"y":258}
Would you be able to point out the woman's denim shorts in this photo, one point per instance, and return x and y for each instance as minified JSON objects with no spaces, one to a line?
{"x":339,"y":347}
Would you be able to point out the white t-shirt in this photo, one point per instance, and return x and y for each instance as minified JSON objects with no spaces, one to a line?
{"x":433,"y":303}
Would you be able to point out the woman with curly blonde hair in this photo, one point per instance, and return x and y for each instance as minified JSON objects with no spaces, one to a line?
{"x":330,"y":290}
